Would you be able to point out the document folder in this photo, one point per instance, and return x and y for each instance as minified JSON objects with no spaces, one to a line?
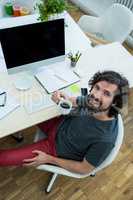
{"x":53,"y":80}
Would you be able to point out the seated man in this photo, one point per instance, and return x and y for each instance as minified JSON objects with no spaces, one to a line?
{"x":82,"y":140}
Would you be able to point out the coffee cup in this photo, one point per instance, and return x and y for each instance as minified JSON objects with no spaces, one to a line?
{"x":65,"y":106}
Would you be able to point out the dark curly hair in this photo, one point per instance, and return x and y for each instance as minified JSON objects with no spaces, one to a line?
{"x":113,"y":77}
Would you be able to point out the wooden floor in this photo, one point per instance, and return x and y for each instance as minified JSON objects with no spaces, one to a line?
{"x":113,"y":183}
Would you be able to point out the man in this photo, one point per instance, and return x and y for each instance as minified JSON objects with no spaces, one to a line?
{"x":78,"y":142}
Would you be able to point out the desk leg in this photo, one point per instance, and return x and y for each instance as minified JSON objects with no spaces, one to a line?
{"x":18,"y":137}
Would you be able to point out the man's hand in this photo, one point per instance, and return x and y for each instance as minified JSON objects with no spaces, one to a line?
{"x":40,"y":158}
{"x":57,"y":96}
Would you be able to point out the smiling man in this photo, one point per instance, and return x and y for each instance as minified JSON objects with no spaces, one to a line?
{"x":82,"y":140}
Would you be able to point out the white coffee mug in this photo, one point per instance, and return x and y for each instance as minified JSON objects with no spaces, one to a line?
{"x":65,"y":106}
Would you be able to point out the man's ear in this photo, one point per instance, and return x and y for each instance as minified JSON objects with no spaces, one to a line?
{"x":90,"y":89}
{"x":117,"y":102}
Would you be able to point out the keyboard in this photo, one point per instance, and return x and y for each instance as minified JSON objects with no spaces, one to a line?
{"x":45,"y":101}
{"x":37,"y":105}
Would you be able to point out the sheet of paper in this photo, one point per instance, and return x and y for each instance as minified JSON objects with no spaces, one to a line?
{"x":50,"y":82}
{"x":56,"y":77}
{"x":66,"y":74}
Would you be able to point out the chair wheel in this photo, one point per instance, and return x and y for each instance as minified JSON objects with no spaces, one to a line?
{"x":18,"y":138}
{"x":92,"y":175}
{"x":47,"y":191}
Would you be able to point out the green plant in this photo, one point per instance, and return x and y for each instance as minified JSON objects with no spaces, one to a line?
{"x":50,"y":7}
{"x":74,"y":57}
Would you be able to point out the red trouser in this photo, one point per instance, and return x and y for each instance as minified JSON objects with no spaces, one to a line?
{"x":13,"y":157}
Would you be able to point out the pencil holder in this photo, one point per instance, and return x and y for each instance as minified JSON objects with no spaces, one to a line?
{"x":74,"y":58}
{"x":73,"y":63}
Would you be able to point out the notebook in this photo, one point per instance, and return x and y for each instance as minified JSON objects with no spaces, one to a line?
{"x":57,"y":78}
{"x":11,"y":104}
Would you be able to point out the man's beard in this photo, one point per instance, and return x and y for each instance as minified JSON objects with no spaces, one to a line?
{"x":88,"y":109}
{"x":93,"y":109}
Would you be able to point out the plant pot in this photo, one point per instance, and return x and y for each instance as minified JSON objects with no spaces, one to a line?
{"x":57,"y":16}
{"x":73,"y":63}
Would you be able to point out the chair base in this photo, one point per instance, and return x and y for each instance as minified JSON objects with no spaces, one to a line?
{"x":50,"y":184}
{"x":92,"y":175}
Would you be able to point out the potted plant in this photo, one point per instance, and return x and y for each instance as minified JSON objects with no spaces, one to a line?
{"x":74,"y":57}
{"x":47,"y":8}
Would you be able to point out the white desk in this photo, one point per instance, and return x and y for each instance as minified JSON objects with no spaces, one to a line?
{"x":111,"y":56}
{"x":19,"y":119}
{"x":75,"y":39}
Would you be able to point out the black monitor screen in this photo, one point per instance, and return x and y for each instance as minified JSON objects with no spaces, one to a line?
{"x":33,"y":42}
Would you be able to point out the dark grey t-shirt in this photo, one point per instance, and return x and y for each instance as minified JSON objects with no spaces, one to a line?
{"x":80,"y":137}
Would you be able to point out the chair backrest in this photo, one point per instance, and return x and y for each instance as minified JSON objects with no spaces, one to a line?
{"x":117,"y":23}
{"x":116,"y":148}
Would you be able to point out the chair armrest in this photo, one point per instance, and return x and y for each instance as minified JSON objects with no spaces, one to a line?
{"x":60,"y":170}
{"x":95,"y":40}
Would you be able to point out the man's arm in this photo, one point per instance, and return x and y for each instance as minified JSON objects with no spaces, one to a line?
{"x":82,"y":167}
{"x":76,"y":101}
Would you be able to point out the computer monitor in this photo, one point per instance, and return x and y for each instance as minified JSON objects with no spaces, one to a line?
{"x":30,"y":46}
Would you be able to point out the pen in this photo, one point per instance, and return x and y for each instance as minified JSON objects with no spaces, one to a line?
{"x":60,"y":78}
{"x":4,"y":101}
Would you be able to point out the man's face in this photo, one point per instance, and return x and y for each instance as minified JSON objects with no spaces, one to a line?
{"x":102,"y":95}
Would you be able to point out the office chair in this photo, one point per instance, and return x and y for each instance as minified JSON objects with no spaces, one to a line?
{"x":60,"y":171}
{"x":114,"y":25}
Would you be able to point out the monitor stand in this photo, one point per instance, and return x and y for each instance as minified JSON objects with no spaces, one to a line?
{"x":32,"y":68}
{"x":23,"y":83}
